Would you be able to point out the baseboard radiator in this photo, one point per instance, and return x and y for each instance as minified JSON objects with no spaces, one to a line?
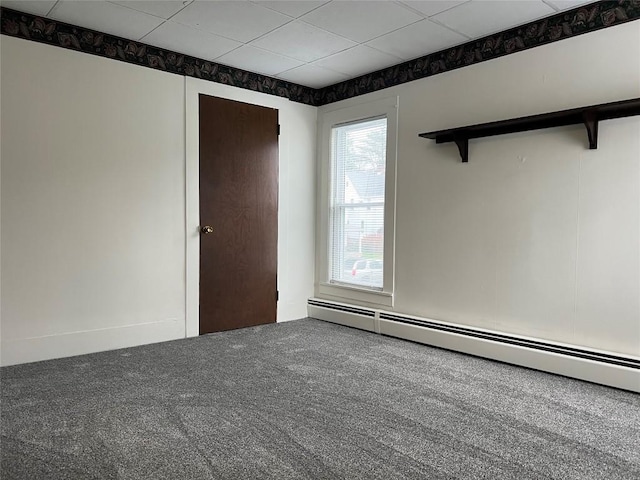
{"x":595,"y":366}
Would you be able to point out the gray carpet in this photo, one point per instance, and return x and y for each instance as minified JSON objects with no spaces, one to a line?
{"x":308,"y":399}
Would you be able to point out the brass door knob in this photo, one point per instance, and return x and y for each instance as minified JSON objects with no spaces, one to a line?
{"x":206,"y":229}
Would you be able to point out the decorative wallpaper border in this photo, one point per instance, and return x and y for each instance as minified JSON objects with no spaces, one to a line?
{"x":571,"y":23}
{"x":52,"y":32}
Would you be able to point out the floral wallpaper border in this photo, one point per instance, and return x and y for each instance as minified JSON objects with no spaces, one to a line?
{"x":51,"y":32}
{"x":570,"y":23}
{"x":563,"y":25}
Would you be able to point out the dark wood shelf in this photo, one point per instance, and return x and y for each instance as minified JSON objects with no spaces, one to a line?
{"x":588,"y":116}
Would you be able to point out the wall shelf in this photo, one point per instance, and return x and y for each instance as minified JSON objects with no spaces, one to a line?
{"x":588,"y":116}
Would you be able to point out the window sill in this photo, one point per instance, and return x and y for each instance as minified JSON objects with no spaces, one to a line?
{"x":355,"y":293}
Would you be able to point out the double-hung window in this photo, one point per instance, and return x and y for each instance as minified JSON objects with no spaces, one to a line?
{"x":358,"y":162}
{"x":358,"y":198}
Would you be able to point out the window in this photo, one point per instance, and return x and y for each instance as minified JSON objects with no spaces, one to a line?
{"x":356,"y":225}
{"x":358,"y":162}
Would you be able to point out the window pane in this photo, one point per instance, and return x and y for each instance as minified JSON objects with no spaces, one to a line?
{"x":357,"y":203}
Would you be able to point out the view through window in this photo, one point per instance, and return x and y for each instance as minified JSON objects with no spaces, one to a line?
{"x":357,"y":203}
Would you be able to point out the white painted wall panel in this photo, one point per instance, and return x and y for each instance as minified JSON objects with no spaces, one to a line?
{"x":92,"y":202}
{"x":537,"y":235}
{"x":608,"y":270}
{"x":99,"y":203}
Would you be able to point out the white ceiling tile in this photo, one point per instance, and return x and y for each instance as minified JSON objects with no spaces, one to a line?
{"x":324,"y":34}
{"x":358,"y":61}
{"x":160,"y":8}
{"x":417,"y":39}
{"x":431,"y":7}
{"x":293,"y":8}
{"x":106,"y":17}
{"x":484,"y":17}
{"x":312,"y":76}
{"x":258,"y":61}
{"x":190,"y":41}
{"x":361,"y":20}
{"x":303,"y":41}
{"x":35,"y":7}
{"x":566,"y":4}
{"x":242,"y":21}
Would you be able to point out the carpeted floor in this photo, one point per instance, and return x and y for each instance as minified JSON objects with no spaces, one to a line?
{"x":308,"y":399}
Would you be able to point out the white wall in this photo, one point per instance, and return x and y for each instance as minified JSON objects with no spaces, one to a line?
{"x":92,"y":203}
{"x":537,"y":235}
{"x":93,"y":198}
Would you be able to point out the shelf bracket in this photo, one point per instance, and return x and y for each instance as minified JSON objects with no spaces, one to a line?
{"x":463,"y":147}
{"x":590,"y":119}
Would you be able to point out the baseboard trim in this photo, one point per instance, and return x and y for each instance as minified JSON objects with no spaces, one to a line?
{"x":606,"y":368}
{"x":35,"y":349}
{"x":343,"y":314}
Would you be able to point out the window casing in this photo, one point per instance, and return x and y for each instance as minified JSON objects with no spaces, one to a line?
{"x":356,"y":229}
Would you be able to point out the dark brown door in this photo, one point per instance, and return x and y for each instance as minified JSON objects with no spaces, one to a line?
{"x":239,"y":201}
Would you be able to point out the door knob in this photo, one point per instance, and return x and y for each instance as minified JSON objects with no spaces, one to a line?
{"x":206,"y":229}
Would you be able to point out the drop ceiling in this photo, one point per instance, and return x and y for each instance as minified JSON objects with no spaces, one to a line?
{"x":310,"y":42}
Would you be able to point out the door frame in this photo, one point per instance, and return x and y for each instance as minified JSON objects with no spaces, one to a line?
{"x":193,"y":88}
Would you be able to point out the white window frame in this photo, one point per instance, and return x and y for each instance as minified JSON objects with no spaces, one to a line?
{"x":327,"y":119}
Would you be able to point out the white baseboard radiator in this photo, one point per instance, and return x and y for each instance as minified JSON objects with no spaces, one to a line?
{"x":606,"y":368}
